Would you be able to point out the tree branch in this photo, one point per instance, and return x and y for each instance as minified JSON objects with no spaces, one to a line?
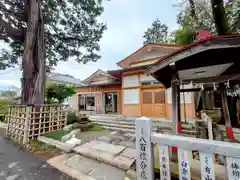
{"x":66,"y":38}
{"x":19,"y":16}
{"x":16,"y":34}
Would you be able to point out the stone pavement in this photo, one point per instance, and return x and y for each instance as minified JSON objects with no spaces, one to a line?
{"x":18,"y":165}
{"x":83,"y":168}
{"x":115,"y":155}
{"x":101,"y":158}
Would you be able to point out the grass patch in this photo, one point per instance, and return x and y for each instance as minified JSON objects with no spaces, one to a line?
{"x":37,"y":146}
{"x":96,"y":127}
{"x":57,"y":135}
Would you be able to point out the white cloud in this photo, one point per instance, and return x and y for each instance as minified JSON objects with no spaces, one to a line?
{"x":6,"y":83}
{"x":126,"y":21}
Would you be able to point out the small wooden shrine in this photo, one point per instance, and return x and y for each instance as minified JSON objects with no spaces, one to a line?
{"x":209,"y":64}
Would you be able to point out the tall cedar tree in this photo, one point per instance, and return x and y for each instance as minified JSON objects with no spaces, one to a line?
{"x":43,"y":32}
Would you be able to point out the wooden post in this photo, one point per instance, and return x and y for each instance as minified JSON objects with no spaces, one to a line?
{"x":26,"y":123}
{"x":225,"y":106}
{"x":144,"y":149}
{"x":176,"y":113}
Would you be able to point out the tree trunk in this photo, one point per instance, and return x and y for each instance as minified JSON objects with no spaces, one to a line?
{"x":33,"y":81}
{"x":220,"y":18}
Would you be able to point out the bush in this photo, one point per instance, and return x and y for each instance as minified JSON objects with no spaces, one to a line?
{"x":72,"y":117}
{"x":4,"y":108}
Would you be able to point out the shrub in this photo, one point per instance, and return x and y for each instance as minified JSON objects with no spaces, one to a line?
{"x":72,"y":117}
{"x":4,"y":108}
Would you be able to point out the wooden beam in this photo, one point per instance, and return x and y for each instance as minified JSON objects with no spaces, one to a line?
{"x":196,"y":89}
{"x":216,"y":79}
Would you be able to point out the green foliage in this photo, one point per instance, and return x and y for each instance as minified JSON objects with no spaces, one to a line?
{"x":57,"y":135}
{"x":8,"y":95}
{"x":4,"y":108}
{"x":158,"y":33}
{"x":72,"y":30}
{"x":72,"y":117}
{"x":185,"y":35}
{"x":96,"y":127}
{"x":59,"y":92}
{"x":204,"y":16}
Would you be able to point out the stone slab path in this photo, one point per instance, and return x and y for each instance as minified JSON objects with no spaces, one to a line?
{"x":119,"y":156}
{"x":83,"y":168}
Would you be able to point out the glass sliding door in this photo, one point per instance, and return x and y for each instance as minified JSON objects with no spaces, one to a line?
{"x":86,"y":102}
{"x":111,"y":102}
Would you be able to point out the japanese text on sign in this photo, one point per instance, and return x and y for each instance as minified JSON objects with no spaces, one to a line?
{"x":184,"y":169}
{"x":207,"y":166}
{"x":233,"y":168}
{"x":164,"y":163}
{"x":143,"y":157}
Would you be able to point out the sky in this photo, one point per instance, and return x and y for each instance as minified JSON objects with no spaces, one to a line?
{"x":126,"y":22}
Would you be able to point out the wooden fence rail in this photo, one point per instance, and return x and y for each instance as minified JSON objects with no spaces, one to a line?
{"x":145,"y":140}
{"x":28,"y":122}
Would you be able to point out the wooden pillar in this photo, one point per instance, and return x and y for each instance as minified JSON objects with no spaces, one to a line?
{"x":225,"y":106}
{"x":176,"y":113}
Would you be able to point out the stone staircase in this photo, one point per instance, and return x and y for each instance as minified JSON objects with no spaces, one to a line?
{"x":127,"y":124}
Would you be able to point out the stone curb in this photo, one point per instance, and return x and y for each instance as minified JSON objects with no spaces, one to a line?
{"x":70,"y":134}
{"x":131,"y":174}
{"x":118,"y":161}
{"x":58,"y":144}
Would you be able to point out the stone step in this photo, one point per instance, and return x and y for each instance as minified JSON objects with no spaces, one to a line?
{"x":119,"y":129}
{"x":130,"y":127}
{"x":124,"y":123}
{"x":114,"y":155}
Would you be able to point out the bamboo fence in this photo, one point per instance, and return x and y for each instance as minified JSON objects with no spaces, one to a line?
{"x":27,"y":122}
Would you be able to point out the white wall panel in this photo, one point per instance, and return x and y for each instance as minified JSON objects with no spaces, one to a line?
{"x":187,"y":96}
{"x":144,"y":77}
{"x":130,"y":81}
{"x":131,"y":96}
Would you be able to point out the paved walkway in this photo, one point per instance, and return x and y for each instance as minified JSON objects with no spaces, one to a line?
{"x":90,"y":135}
{"x":18,"y":165}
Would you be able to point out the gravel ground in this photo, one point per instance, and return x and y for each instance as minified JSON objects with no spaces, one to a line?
{"x":90,"y":135}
